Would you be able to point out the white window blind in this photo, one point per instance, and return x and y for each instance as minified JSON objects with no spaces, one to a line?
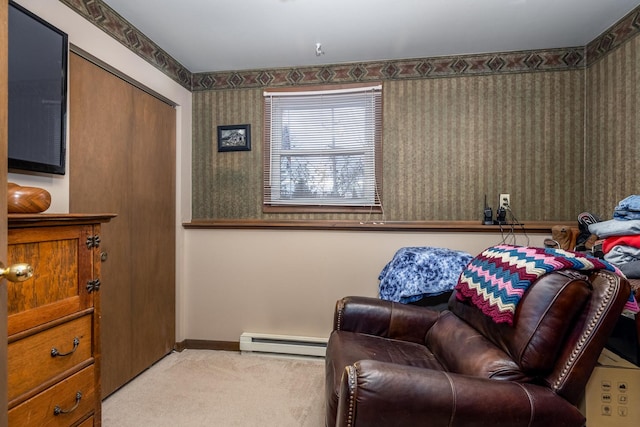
{"x":322,"y":147}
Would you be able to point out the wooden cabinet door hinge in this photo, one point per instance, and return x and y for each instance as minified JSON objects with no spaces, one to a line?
{"x":93,"y":285}
{"x":93,"y":242}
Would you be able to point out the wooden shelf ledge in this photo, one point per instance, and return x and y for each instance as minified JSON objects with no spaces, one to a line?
{"x":533,"y":227}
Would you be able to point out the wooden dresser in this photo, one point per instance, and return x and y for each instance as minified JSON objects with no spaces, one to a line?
{"x":53,"y":323}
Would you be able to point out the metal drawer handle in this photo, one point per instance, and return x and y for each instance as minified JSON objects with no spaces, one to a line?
{"x":58,"y":410}
{"x":56,"y":353}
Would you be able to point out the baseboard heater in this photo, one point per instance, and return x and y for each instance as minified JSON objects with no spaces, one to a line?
{"x":283,"y":344}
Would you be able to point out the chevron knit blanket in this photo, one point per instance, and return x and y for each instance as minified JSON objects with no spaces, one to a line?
{"x":496,"y":280}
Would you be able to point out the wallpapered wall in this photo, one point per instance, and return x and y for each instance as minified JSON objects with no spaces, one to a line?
{"x":557,"y":129}
{"x":559,"y":142}
{"x":613,"y":128}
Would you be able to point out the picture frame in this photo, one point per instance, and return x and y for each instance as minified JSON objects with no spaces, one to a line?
{"x":234,"y":138}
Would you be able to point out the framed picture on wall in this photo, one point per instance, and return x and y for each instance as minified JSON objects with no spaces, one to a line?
{"x":234,"y":138}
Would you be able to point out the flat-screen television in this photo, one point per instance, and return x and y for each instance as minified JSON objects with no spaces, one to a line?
{"x":37,"y":108}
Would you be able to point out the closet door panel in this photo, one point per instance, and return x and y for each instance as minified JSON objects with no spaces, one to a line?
{"x":122,"y":157}
{"x":153,"y":252}
{"x":100,"y":132}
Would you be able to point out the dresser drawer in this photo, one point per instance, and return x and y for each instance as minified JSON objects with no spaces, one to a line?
{"x":87,"y":423}
{"x":31,"y":363}
{"x":63,"y":268}
{"x":74,"y":397}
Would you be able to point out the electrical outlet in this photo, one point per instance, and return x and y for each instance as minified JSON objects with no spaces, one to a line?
{"x":505,"y":201}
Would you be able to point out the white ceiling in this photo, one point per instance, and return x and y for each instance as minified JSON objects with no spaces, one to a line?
{"x":224,"y":35}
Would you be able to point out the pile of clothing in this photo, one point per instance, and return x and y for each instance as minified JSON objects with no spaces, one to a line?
{"x":617,"y":241}
{"x":620,"y":245}
{"x":620,"y":237}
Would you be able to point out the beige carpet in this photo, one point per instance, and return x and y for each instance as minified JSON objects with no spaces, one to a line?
{"x":220,"y":388}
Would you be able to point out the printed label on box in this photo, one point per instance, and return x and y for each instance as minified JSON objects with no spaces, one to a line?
{"x":612,"y":396}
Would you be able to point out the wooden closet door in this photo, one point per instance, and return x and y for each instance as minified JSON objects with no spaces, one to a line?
{"x":153,"y":222}
{"x":122,"y":161}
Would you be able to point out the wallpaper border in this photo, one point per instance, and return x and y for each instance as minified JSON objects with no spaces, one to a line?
{"x":615,"y":36}
{"x":108,"y":20}
{"x":105,"y":18}
{"x":419,"y":68}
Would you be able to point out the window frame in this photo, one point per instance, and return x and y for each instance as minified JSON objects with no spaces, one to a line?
{"x":322,"y":208}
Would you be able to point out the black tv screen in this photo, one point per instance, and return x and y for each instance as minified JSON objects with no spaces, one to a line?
{"x":37,"y":93}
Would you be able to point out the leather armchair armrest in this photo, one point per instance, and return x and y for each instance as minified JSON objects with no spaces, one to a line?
{"x":382,"y":318}
{"x":378,"y":394}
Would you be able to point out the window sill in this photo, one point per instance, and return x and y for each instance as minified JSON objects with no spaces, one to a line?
{"x":533,"y":227}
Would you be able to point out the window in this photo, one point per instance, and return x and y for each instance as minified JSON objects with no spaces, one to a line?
{"x":323,"y":148}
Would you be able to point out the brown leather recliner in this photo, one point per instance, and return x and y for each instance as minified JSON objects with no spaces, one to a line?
{"x":390,"y":364}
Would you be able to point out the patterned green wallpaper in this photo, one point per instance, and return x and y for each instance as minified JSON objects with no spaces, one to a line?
{"x":227,"y":184}
{"x":559,"y":142}
{"x":557,"y":129}
{"x":447,"y":142}
{"x":613,"y":129}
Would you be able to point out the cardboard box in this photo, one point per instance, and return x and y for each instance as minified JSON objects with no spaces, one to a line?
{"x":612,"y":397}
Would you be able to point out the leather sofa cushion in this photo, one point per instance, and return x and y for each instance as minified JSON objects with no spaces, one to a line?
{"x":349,"y":347}
{"x":543,"y":318}
{"x":345,"y":348}
{"x":480,"y":357}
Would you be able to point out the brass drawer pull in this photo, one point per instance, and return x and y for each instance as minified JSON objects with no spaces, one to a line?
{"x":56,"y":353}
{"x":16,"y":272}
{"x":58,"y":410}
